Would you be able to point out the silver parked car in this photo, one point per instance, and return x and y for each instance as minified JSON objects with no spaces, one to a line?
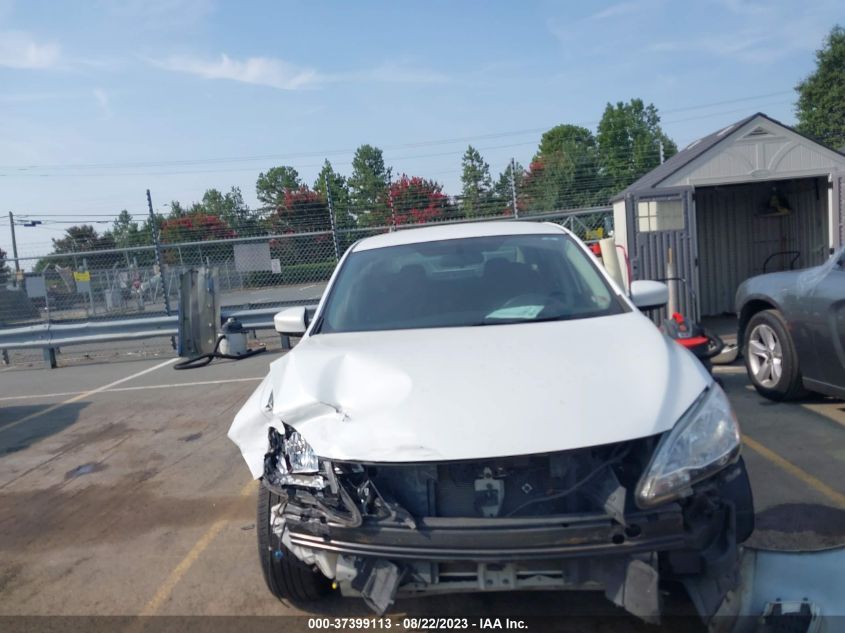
{"x":792,"y":330}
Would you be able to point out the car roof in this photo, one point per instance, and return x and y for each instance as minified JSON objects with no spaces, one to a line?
{"x":457,"y":231}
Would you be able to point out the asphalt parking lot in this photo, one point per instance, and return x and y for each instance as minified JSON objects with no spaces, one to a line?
{"x":121,"y":495}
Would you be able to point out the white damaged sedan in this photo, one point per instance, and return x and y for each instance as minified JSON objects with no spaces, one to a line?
{"x":479,"y":407}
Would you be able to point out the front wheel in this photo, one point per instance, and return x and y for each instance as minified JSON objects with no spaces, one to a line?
{"x":770,"y":357}
{"x":287,"y":577}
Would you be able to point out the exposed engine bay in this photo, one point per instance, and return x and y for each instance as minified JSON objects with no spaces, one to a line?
{"x":563,"y":520}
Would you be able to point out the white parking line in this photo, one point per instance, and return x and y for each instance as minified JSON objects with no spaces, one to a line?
{"x":45,"y":395}
{"x":189,"y":384}
{"x":85,"y":394}
{"x":140,"y":388}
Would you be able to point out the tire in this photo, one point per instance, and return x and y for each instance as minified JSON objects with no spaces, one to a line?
{"x":770,"y":357}
{"x":286,"y":576}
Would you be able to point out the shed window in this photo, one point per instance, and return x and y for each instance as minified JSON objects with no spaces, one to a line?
{"x":660,"y":215}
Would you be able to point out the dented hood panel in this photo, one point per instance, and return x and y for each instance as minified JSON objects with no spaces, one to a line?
{"x":470,"y":393}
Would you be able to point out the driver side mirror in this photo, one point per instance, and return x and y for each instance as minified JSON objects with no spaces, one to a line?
{"x":648,"y":295}
{"x":291,"y":321}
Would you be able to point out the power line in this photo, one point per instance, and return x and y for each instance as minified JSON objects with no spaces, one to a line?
{"x":335,"y":152}
{"x":575,"y":184}
{"x":346,"y":163}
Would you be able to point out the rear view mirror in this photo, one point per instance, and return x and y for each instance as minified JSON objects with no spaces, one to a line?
{"x":291,"y":321}
{"x":648,"y":295}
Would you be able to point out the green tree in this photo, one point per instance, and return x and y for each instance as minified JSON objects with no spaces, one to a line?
{"x":231,"y":208}
{"x":368,"y":185}
{"x":177,"y":210}
{"x":821,"y":96}
{"x":476,"y":183}
{"x":4,"y":269}
{"x":629,"y":143}
{"x":270,"y":187}
{"x":502,"y":190}
{"x":126,"y":232}
{"x":564,"y":173}
{"x":339,"y":194}
{"x":79,"y":239}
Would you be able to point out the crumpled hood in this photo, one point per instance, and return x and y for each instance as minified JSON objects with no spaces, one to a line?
{"x":472,"y":393}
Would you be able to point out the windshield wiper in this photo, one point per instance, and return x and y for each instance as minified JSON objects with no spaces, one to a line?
{"x":559,"y":317}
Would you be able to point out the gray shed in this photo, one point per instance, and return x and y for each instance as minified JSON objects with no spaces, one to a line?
{"x":754,"y":197}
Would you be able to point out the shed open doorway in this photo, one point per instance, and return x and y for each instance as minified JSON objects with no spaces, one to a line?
{"x":756,"y":196}
{"x":754,"y":228}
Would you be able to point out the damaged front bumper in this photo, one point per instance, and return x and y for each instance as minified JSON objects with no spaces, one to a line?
{"x":439,"y":539}
{"x":380,"y":541}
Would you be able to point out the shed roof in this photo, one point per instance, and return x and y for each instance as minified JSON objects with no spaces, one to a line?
{"x":662,"y":172}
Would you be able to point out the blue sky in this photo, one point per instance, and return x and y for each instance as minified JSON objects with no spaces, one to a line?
{"x":101,"y":100}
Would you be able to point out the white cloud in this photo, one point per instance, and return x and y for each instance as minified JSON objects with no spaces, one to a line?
{"x":102,"y":99}
{"x":263,"y":71}
{"x":620,"y":9}
{"x":746,"y":7}
{"x":768,"y":42}
{"x":277,"y":73}
{"x":19,"y":50}
{"x":755,"y":32}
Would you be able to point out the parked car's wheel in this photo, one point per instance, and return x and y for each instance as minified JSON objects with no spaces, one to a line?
{"x":770,"y":357}
{"x":286,"y":576}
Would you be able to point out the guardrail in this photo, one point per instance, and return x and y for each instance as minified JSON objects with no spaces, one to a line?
{"x":61,"y":335}
{"x":50,"y":336}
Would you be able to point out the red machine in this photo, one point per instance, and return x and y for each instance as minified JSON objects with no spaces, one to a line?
{"x":705,"y":345}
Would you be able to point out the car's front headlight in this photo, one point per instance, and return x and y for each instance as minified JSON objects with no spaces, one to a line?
{"x":301,"y":456}
{"x":704,"y":441}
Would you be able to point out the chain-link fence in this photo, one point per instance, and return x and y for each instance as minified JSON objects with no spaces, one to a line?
{"x":279,"y":267}
{"x":261,"y":269}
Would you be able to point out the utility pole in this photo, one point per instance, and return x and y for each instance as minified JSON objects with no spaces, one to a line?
{"x":513,"y":189}
{"x":661,"y":150}
{"x":159,"y":263}
{"x":14,"y":248}
{"x":331,"y":217}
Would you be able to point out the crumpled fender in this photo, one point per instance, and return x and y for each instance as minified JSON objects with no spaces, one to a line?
{"x":249,"y":429}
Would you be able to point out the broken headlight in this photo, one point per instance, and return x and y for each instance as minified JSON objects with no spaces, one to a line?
{"x":704,"y":441}
{"x":300,"y":455}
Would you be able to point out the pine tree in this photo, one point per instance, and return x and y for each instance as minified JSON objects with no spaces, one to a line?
{"x":477,"y":183}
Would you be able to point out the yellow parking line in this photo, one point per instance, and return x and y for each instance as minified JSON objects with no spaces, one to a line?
{"x":169,"y":584}
{"x":819,"y":486}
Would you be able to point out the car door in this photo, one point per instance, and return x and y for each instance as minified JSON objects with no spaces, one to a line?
{"x":827,"y":305}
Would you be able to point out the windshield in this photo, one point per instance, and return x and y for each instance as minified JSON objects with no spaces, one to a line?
{"x":467,"y":282}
